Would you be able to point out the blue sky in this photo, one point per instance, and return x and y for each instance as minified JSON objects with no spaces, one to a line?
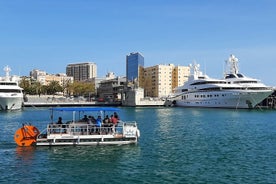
{"x":49,"y":34}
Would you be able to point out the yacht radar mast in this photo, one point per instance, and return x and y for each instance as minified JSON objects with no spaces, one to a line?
{"x":194,"y":68}
{"x":7,"y":70}
{"x":232,"y":65}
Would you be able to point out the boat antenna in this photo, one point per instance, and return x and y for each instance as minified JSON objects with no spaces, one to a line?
{"x":7,"y":70}
{"x":224,"y":69}
{"x":204,"y":67}
{"x":233,"y":64}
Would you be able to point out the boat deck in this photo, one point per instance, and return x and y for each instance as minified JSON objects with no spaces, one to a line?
{"x":88,"y":134}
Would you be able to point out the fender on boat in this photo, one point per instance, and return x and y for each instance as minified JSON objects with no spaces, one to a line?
{"x":138,"y":133}
{"x":26,"y":135}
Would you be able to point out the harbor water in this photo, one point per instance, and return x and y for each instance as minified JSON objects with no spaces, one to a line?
{"x":177,"y":145}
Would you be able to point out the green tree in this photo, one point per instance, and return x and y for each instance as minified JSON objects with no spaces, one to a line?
{"x":37,"y":87}
{"x":53,"y":87}
{"x":32,"y":87}
{"x":81,"y":88}
{"x":25,"y":84}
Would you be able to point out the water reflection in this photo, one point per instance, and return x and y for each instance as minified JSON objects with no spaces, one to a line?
{"x":25,"y":154}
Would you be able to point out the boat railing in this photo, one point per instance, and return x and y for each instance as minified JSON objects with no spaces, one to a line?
{"x":42,"y":134}
{"x":76,"y":128}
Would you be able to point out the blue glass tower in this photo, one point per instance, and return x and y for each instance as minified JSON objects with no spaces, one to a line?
{"x":133,"y":62}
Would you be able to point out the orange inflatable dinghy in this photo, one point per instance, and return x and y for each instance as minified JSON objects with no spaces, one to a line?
{"x":26,"y":135}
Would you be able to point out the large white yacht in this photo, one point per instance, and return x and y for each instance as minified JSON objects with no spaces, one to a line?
{"x":234,"y":91}
{"x":11,"y":95}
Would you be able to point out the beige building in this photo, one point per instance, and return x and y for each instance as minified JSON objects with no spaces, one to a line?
{"x":45,"y":79}
{"x":160,"y":80}
{"x":180,"y":75}
{"x":62,"y":79}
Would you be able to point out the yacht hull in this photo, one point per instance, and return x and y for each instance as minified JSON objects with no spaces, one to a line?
{"x":11,"y":94}
{"x":223,"y":99}
{"x":11,"y":102}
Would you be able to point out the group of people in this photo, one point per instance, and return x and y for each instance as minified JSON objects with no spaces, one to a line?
{"x":107,"y":121}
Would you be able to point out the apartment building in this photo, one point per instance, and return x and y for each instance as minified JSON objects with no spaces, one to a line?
{"x":180,"y":75}
{"x":160,"y":80}
{"x":82,"y":71}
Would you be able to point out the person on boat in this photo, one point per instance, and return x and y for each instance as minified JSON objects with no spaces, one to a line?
{"x":107,"y":124}
{"x":106,"y":120}
{"x":99,"y":121}
{"x":114,"y":120}
{"x":85,"y":118}
{"x":93,"y":120}
{"x":59,"y":123}
{"x":89,"y":121}
{"x":116,"y":116}
{"x":59,"y":120}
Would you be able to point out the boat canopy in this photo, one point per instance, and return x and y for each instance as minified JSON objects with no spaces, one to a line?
{"x":78,"y":110}
{"x":84,"y":109}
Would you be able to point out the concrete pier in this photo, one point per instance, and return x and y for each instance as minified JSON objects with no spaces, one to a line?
{"x":52,"y":101}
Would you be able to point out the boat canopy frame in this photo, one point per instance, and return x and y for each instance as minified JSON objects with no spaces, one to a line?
{"x":102,"y":110}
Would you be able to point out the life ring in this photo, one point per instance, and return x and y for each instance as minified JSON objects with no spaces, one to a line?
{"x":26,"y":135}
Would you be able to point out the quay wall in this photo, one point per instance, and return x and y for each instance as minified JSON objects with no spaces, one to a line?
{"x":52,"y":101}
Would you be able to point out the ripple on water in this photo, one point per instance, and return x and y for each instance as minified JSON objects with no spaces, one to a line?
{"x":177,"y":145}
